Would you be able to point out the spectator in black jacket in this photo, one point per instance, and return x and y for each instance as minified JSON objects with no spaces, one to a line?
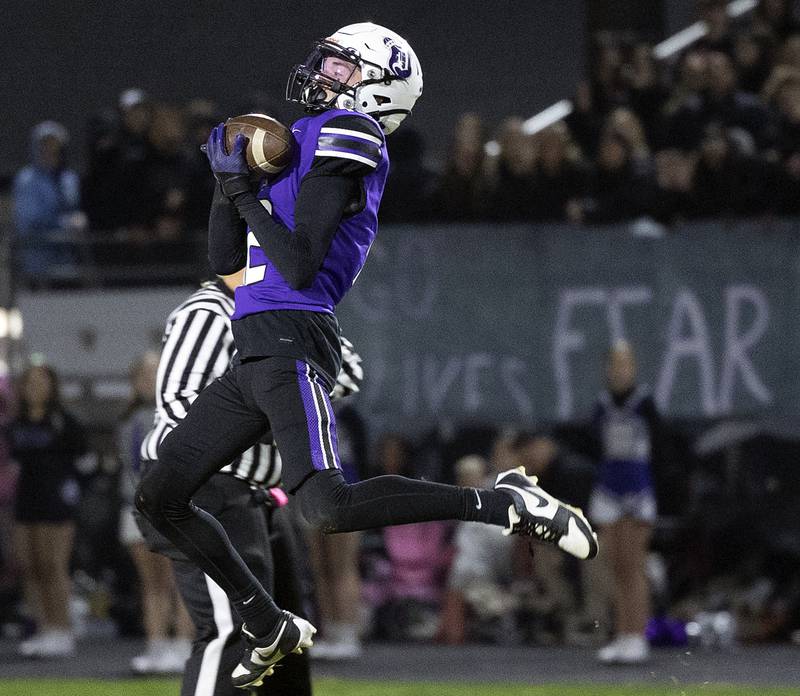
{"x":410,"y":184}
{"x":201,"y":116}
{"x":461,"y":193}
{"x":682,"y":110}
{"x":512,"y":197}
{"x":166,"y":176}
{"x":115,"y":188}
{"x":623,"y":184}
{"x":46,"y":441}
{"x":720,"y":101}
{"x":726,"y":103}
{"x":728,"y":180}
{"x":560,"y":176}
{"x":674,"y":198}
{"x":646,"y":89}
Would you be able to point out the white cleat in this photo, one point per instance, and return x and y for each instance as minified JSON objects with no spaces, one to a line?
{"x":538,"y":514}
{"x":608,"y":653}
{"x":165,"y":657}
{"x":259,"y":661}
{"x":51,"y":643}
{"x":336,"y":650}
{"x":629,"y":649}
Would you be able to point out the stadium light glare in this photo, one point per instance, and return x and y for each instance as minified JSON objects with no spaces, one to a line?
{"x":686,"y":37}
{"x":545,"y":119}
{"x":15,"y":323}
{"x":676,"y":43}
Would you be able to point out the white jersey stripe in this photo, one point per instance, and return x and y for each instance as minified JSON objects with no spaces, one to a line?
{"x":325,"y":460}
{"x":352,"y":134}
{"x":319,"y":396}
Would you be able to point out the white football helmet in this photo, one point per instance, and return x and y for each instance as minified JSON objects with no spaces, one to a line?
{"x":391,"y":76}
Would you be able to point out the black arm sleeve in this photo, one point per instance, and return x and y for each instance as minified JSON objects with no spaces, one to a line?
{"x":321,"y":203}
{"x":227,"y":238}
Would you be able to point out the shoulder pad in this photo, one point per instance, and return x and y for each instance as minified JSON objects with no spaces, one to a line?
{"x":354,"y":137}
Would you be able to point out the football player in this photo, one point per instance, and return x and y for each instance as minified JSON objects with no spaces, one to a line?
{"x":304,"y":237}
{"x":196,"y":349}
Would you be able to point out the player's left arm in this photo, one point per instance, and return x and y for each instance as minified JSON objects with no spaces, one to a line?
{"x":320,"y":205}
{"x":347,"y":150}
{"x":227,"y":234}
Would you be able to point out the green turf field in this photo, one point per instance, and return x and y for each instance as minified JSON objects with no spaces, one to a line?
{"x":336,"y":687}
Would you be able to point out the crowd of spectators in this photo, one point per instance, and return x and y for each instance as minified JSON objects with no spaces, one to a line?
{"x":709,"y":132}
{"x":712,"y":131}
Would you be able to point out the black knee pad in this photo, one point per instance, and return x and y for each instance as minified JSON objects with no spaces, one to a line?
{"x":147,"y":500}
{"x":157,"y":496}
{"x":319,"y":513}
{"x":320,"y":498}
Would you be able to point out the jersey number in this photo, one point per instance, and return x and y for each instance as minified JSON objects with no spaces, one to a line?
{"x":256,"y":258}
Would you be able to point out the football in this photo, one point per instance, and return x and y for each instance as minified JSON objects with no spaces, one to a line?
{"x":269,"y":142}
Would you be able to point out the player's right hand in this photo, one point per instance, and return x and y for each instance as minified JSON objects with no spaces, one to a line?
{"x":230,"y":169}
{"x":220,"y":160}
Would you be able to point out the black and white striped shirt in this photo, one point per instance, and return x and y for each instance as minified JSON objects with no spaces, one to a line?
{"x":197,"y":348}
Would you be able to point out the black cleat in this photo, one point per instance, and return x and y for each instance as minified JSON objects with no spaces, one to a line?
{"x":294,"y":634}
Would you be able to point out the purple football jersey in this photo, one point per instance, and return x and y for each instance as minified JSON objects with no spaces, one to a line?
{"x":264,"y":288}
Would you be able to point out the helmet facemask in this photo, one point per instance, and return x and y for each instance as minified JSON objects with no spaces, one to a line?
{"x":309,"y":85}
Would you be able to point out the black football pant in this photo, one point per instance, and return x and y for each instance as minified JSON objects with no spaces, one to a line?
{"x":266,"y":540}
{"x":290,"y":398}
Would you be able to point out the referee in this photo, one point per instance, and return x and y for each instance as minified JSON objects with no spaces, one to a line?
{"x":197,"y":349}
